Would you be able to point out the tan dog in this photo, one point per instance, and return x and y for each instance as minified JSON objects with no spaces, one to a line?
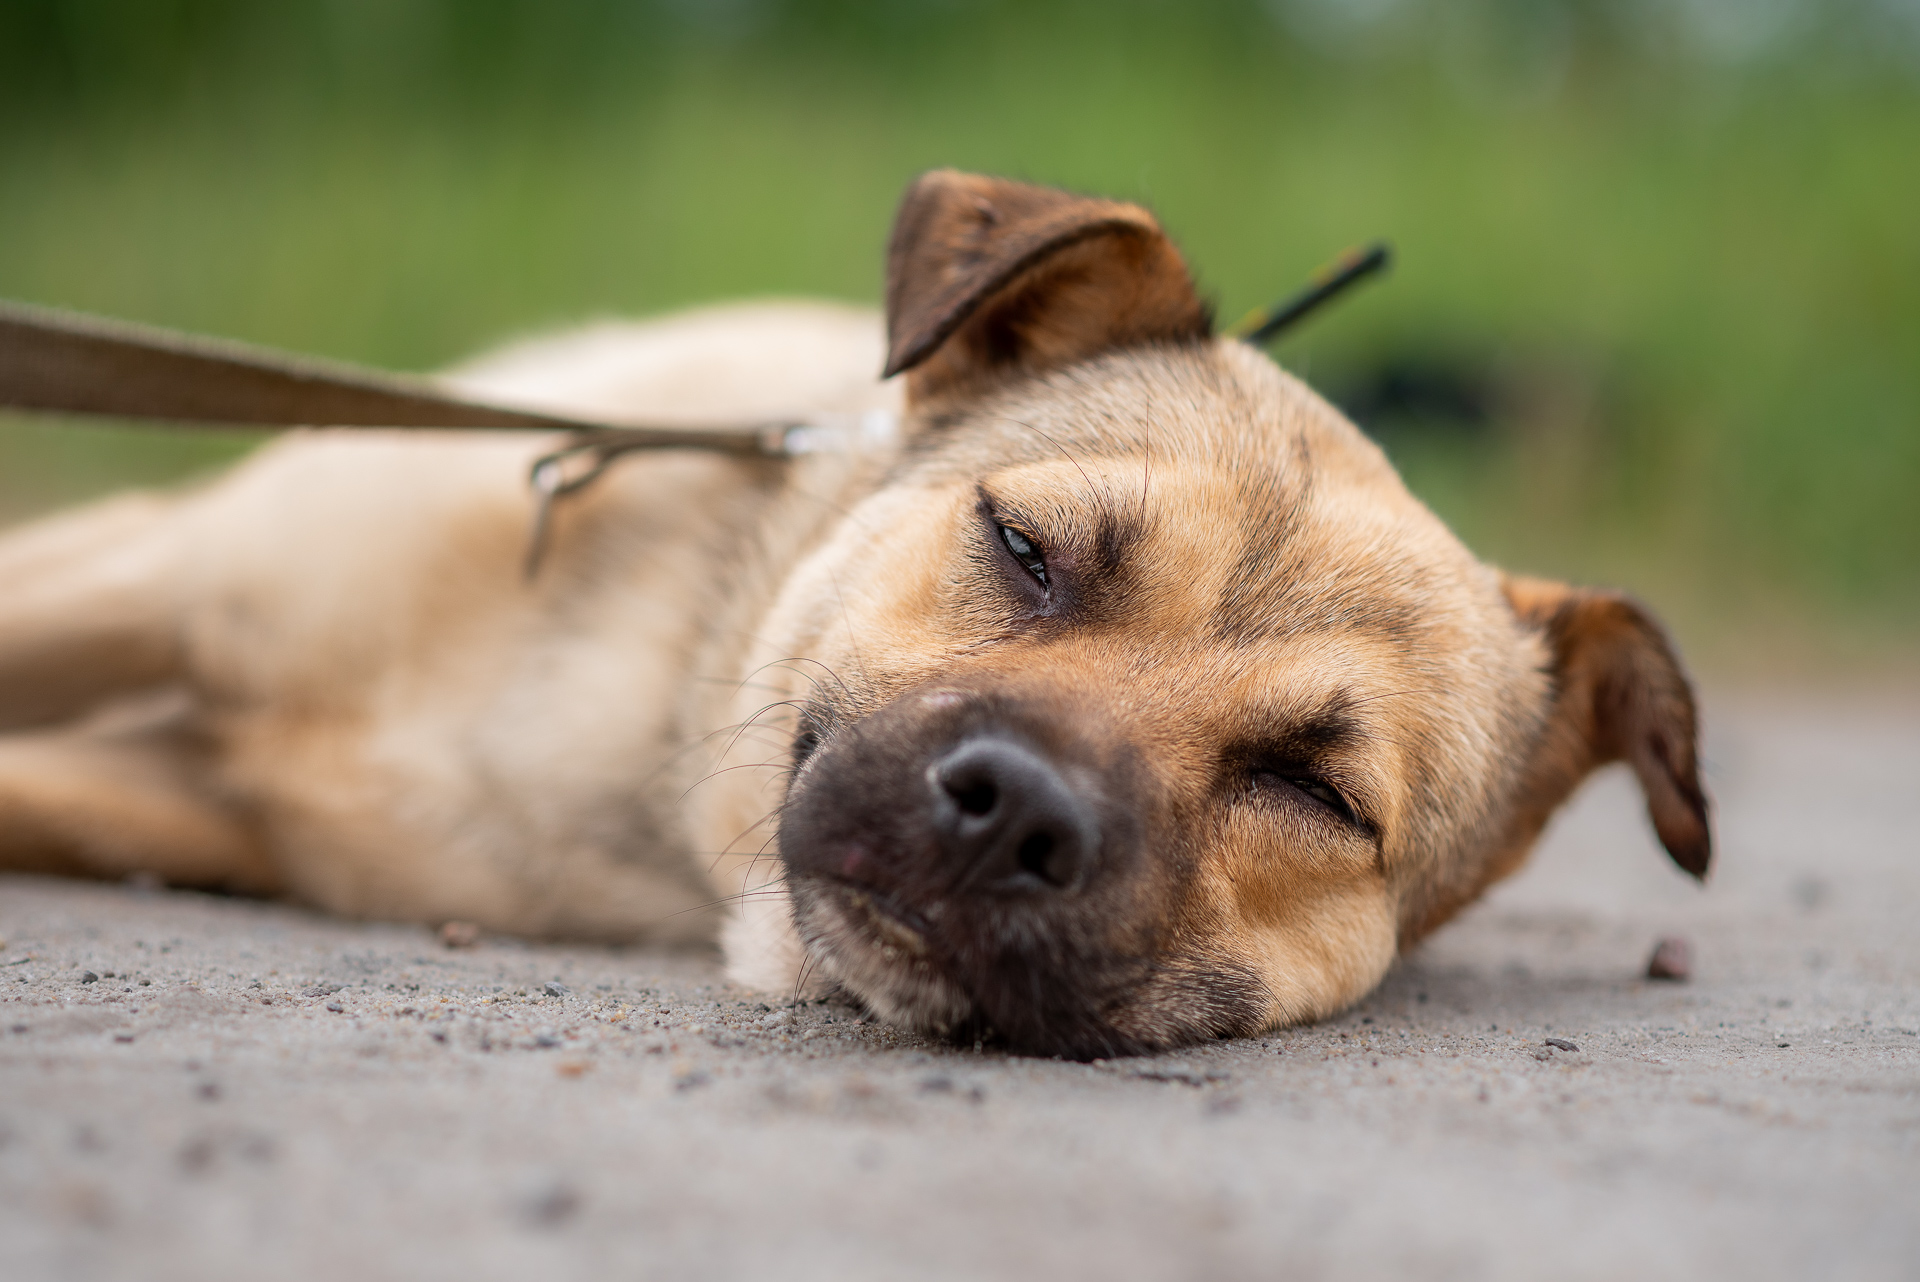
{"x":1124,"y":698}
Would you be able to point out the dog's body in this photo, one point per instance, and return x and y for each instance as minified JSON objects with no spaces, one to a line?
{"x":392,"y":720}
{"x":1123,"y":697}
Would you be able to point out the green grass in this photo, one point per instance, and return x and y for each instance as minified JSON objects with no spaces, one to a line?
{"x":1697,"y":285}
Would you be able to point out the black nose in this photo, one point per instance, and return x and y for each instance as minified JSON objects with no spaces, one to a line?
{"x":1005,"y":813}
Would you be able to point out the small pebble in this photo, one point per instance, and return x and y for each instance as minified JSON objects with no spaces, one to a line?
{"x":1671,"y":959}
{"x":547,"y":1202}
{"x":459,"y":934}
{"x":88,"y":977}
{"x":335,"y":1007}
{"x":555,"y":988}
{"x":1561,"y":1044}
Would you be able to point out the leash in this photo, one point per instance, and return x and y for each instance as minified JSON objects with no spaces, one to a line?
{"x":1263,"y":325}
{"x":581,"y":462}
{"x":64,"y":362}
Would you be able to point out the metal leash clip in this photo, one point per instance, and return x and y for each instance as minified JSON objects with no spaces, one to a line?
{"x":586,"y":458}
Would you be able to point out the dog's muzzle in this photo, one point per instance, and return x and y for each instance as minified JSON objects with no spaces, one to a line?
{"x":964,"y":860}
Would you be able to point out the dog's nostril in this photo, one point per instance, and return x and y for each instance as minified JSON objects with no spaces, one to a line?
{"x":1036,"y":856}
{"x":976,"y":797}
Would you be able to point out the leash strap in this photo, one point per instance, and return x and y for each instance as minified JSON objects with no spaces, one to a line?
{"x":64,"y":362}
{"x":1265,"y":324}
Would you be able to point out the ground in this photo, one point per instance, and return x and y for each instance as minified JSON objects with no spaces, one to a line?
{"x":203,"y":1088}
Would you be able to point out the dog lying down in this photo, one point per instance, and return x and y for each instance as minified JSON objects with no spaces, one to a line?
{"x":1122,"y":697}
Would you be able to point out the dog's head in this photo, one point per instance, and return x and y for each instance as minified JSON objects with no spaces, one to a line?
{"x":1159,"y":709}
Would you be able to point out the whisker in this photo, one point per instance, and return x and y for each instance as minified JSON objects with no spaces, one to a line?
{"x":1146,"y":465}
{"x":1394,"y":694}
{"x":738,"y":685}
{"x":1056,"y":445}
{"x":807,"y":965}
{"x":758,"y":892}
{"x":728,"y":848}
{"x":711,"y":775}
{"x":741,"y":729}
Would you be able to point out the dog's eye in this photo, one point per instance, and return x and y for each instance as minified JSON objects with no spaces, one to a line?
{"x":1024,"y":552}
{"x":1318,"y":789}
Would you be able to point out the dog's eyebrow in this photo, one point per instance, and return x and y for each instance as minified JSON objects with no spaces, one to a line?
{"x":1115,"y":533}
{"x":1307,"y":738}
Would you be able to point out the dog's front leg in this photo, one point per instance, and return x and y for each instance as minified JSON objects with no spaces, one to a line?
{"x":732,"y":804}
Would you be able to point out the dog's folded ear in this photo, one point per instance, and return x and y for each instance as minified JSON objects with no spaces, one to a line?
{"x":1619,"y":694}
{"x":987,"y":278}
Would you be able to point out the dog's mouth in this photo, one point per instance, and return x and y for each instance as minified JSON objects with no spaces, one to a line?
{"x":896,"y":932}
{"x":882,"y":953}
{"x":940,"y":960}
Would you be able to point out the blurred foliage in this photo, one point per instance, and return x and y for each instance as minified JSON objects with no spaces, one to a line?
{"x":1656,"y":319}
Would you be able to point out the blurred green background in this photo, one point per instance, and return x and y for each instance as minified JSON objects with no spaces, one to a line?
{"x":1655,"y":323}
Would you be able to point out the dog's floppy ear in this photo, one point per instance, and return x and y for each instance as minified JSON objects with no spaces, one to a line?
{"x":1619,"y":694}
{"x":987,"y":277}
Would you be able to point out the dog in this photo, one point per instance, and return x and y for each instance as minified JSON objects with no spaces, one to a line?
{"x":1122,"y":697}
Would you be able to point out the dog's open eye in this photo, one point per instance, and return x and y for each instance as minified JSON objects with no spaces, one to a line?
{"x":1024,"y":552}
{"x":1317,"y":789}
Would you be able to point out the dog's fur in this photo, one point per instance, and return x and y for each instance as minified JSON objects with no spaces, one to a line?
{"x":1258,"y":719}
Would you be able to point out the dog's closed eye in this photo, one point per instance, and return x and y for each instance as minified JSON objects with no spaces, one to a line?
{"x":1293,"y":780}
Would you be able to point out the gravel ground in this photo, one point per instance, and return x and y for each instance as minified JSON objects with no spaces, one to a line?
{"x":194,"y":1087}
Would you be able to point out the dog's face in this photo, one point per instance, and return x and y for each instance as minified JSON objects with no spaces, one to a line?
{"x":1159,"y":709}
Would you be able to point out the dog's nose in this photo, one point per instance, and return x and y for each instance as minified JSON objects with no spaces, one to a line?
{"x":1006,"y":813}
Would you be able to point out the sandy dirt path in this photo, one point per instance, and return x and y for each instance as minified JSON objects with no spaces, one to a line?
{"x":249,"y":1090}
